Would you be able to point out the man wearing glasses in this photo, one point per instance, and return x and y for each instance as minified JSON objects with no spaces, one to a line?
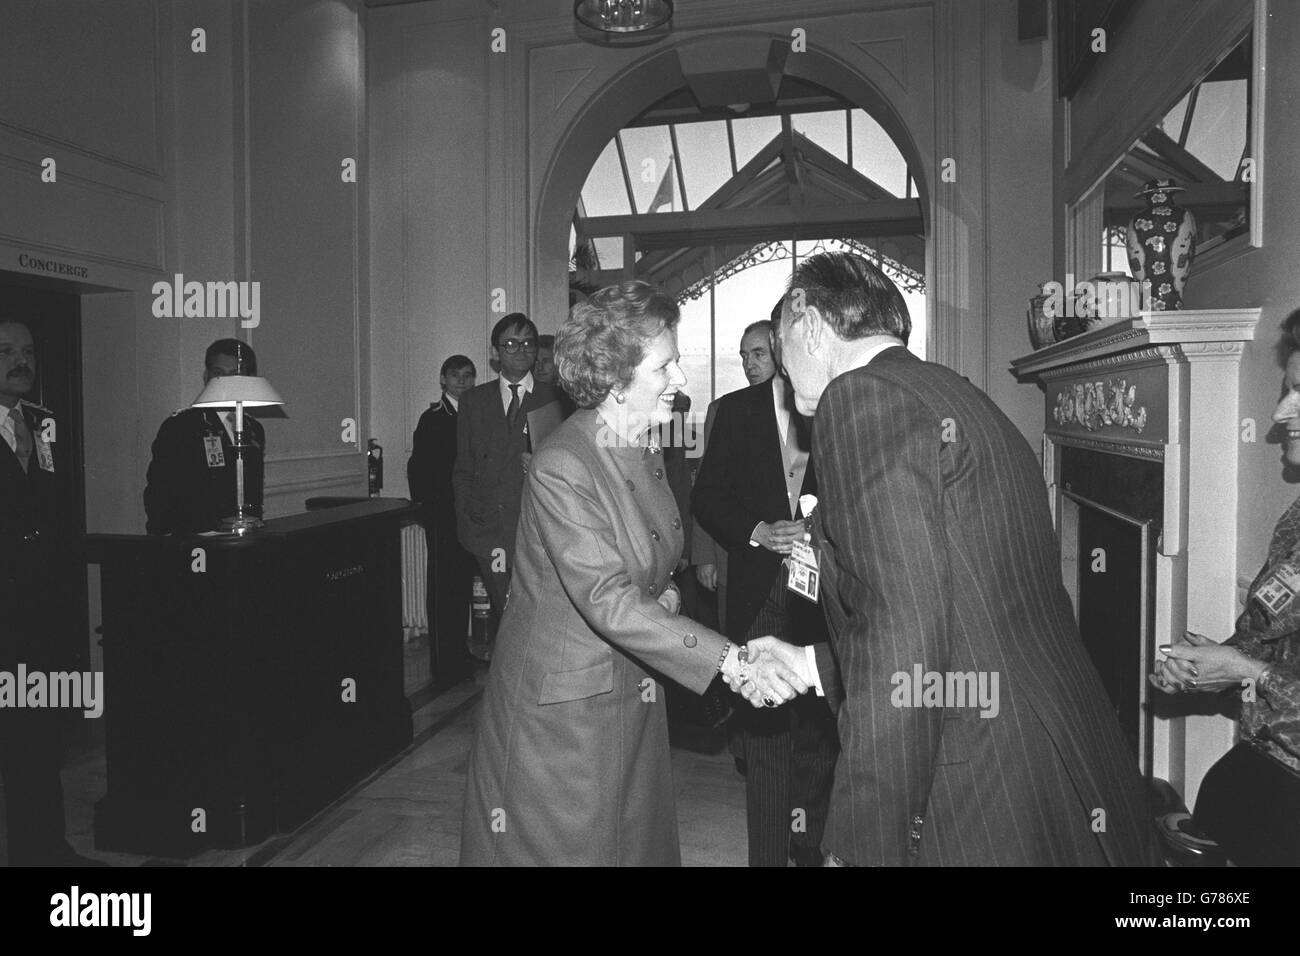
{"x":493,"y":447}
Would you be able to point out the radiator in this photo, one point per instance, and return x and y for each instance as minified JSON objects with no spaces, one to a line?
{"x":415,"y":561}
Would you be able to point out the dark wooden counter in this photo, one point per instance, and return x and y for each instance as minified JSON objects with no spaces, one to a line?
{"x":248,"y":681}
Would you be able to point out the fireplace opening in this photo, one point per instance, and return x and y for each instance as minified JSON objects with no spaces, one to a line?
{"x":1109,"y":512}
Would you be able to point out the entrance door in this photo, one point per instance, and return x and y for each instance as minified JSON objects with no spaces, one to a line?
{"x":54,"y":318}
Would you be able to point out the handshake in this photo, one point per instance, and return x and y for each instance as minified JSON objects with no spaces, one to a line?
{"x":773,"y":673}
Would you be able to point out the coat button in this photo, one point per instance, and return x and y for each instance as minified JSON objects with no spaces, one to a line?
{"x":677,"y":523}
{"x":630,"y":485}
{"x":689,"y":640}
{"x":659,"y":473}
{"x":917,"y":820}
{"x":654,"y":534}
{"x":915,"y":834}
{"x":653,"y":589}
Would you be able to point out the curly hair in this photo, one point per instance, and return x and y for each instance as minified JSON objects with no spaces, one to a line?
{"x":604,"y":339}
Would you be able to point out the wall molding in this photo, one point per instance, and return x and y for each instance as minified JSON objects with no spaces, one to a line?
{"x":152,"y":206}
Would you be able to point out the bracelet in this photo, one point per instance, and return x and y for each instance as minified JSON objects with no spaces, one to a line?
{"x":726,"y":649}
{"x":1263,"y":675}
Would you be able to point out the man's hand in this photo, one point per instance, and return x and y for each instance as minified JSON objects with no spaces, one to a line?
{"x":525,"y":459}
{"x":792,"y":658}
{"x":776,"y":673}
{"x":778,"y":536}
{"x":707,"y":575}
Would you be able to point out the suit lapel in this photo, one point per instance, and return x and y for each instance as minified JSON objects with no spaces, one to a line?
{"x":765,"y":438}
{"x":9,"y":466}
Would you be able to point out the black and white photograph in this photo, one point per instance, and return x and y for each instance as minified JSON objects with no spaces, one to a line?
{"x":650,"y":433}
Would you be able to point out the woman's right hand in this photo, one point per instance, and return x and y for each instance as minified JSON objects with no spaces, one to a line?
{"x":1197,"y":663}
{"x":1173,"y":675}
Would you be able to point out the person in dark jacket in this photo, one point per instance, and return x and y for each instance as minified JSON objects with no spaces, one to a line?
{"x":190,"y":485}
{"x":451,"y":568}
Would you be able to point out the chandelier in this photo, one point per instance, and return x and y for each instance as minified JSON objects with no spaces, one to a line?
{"x":623,"y":16}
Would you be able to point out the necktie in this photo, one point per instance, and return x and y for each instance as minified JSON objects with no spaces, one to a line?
{"x":23,"y":437}
{"x":513,"y":410}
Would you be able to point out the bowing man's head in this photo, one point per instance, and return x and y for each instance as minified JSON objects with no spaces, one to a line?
{"x":837,"y":306}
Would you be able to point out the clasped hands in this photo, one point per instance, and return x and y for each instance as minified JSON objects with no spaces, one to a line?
{"x":1199,"y":664}
{"x":775,"y":672}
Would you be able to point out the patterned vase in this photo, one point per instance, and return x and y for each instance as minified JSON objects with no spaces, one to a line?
{"x":1042,"y":330}
{"x":1162,"y":244}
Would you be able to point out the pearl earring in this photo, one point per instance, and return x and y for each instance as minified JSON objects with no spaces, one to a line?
{"x":620,"y":398}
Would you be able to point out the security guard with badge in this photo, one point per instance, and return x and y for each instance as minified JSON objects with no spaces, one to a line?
{"x":191,"y":481}
{"x":37,"y":554}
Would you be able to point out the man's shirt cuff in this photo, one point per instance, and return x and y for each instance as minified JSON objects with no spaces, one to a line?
{"x":811,"y":657}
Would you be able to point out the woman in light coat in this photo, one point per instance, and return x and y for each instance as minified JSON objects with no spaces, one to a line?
{"x":570,"y":763}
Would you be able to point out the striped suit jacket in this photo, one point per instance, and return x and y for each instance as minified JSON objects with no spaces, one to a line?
{"x":938,"y":557}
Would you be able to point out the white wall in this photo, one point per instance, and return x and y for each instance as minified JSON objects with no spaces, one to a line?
{"x":477,"y":152}
{"x":219,"y":165}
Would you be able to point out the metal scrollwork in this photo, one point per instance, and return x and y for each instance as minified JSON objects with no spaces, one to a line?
{"x":1097,"y":404}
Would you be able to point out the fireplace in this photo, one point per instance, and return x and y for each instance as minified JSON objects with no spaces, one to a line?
{"x":1140,"y":458}
{"x":1109,"y":514}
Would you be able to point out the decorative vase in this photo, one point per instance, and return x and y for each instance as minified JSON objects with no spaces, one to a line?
{"x":1066,"y":323}
{"x":1112,"y":299}
{"x":1042,"y":331}
{"x":1162,"y":244}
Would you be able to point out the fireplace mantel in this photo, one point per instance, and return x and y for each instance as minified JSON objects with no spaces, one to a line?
{"x":1163,"y":386}
{"x":1214,"y":331}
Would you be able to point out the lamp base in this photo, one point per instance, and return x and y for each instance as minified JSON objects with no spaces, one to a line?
{"x":240,"y":524}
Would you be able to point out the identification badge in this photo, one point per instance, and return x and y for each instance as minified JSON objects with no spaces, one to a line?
{"x":1277,"y":593}
{"x":805,"y":573}
{"x":45,"y":456}
{"x":215,"y":453}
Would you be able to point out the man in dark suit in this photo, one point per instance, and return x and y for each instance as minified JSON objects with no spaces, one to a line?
{"x":36,"y":551}
{"x":493,"y":448}
{"x":709,"y":559}
{"x":191,"y":480}
{"x":754,"y":470}
{"x":451,"y":567}
{"x":938,"y":557}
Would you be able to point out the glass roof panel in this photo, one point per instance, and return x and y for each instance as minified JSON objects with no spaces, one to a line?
{"x":603,"y":194}
{"x":609,"y":252}
{"x":876,"y":156}
{"x":826,"y":129}
{"x":706,"y":161}
{"x":648,"y":152}
{"x":1172,"y":124}
{"x":1218,"y":134}
{"x":752,"y":134}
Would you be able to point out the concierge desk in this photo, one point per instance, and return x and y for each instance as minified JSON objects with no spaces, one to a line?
{"x":248,"y":681}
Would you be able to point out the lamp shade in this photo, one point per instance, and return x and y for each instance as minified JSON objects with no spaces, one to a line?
{"x":224,"y":391}
{"x":623,"y":16}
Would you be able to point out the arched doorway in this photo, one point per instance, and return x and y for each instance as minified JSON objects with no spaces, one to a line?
{"x":634,"y":88}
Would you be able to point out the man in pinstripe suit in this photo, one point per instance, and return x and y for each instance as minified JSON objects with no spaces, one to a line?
{"x":939,"y":566}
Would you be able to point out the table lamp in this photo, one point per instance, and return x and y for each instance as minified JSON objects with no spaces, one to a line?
{"x":225,"y":391}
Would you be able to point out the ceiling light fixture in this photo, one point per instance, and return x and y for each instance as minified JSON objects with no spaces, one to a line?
{"x":623,"y":16}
